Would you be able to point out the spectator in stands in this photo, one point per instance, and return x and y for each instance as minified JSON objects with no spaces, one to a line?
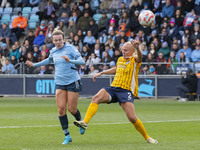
{"x":180,"y":8}
{"x":153,"y":50}
{"x":197,"y":7}
{"x":39,"y":40}
{"x":164,"y":50}
{"x":146,"y":6}
{"x":111,"y":26}
{"x":76,"y":9}
{"x":141,"y":36}
{"x":175,"y":47}
{"x":92,"y":60}
{"x":5,"y":34}
{"x":86,"y":52}
{"x":189,"y":85}
{"x":83,"y":70}
{"x":112,"y":35}
{"x":4,"y":51}
{"x":64,"y":18}
{"x":172,"y":59}
{"x":53,"y":18}
{"x":83,"y":21}
{"x":34,"y":3}
{"x":97,"y":51}
{"x":71,"y":28}
{"x":19,"y":25}
{"x":186,"y":50}
{"x":23,"y":3}
{"x":65,"y":8}
{"x":41,"y":7}
{"x":195,"y":35}
{"x":156,"y":6}
{"x":118,"y":38}
{"x":8,"y":68}
{"x":23,"y":55}
{"x":103,"y":22}
{"x":87,"y":8}
{"x":30,"y":37}
{"x":89,"y":40}
{"x":172,"y":29}
{"x":77,"y":42}
{"x":70,"y":37}
{"x":195,"y":56}
{"x":36,"y":54}
{"x":93,"y":27}
{"x":92,"y":71}
{"x":103,"y":37}
{"x":161,"y":68}
{"x":189,"y":19}
{"x":42,"y":56}
{"x":28,"y":46}
{"x":178,"y":18}
{"x":168,"y":9}
{"x":109,"y":50}
{"x":50,"y":27}
{"x":2,"y":60}
{"x":164,"y":36}
{"x":188,"y":5}
{"x":45,"y":48}
{"x":116,"y":55}
{"x":134,"y":7}
{"x":122,"y":9}
{"x":74,"y":17}
{"x":111,"y":43}
{"x":123,"y":27}
{"x":6,"y":3}
{"x":80,"y":35}
{"x":62,"y":27}
{"x":49,"y":9}
{"x":143,"y":49}
{"x":14,"y":52}
{"x":106,"y":57}
{"x":183,"y":59}
{"x":42,"y":27}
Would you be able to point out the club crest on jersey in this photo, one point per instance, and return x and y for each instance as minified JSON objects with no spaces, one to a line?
{"x":64,"y":52}
{"x":127,"y":62}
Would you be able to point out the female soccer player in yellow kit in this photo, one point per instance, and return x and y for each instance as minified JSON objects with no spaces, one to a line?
{"x":123,"y":88}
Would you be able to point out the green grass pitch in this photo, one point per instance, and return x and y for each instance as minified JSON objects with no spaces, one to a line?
{"x":32,"y":123}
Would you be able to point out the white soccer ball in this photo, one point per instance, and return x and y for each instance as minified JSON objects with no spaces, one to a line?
{"x":146,"y":18}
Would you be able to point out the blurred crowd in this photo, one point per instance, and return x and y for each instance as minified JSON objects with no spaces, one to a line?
{"x":99,"y":28}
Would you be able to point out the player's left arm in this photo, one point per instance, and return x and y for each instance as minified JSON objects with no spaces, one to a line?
{"x":78,"y":61}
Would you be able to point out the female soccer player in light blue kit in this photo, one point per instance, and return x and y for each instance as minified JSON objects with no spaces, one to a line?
{"x":68,"y":85}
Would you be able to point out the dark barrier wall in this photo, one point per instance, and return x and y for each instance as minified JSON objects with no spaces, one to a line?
{"x":46,"y":86}
{"x":11,"y":86}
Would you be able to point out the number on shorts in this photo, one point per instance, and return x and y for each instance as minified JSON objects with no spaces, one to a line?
{"x":129,"y":95}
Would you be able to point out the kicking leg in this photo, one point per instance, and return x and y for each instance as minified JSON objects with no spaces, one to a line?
{"x":129,"y":110}
{"x":101,"y":97}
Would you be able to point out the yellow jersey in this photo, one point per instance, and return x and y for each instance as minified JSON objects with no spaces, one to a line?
{"x":126,"y":76}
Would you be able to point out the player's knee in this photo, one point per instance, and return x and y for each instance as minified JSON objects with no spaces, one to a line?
{"x":62,"y":111}
{"x":72,"y":110}
{"x":95,"y":99}
{"x":132,"y":119}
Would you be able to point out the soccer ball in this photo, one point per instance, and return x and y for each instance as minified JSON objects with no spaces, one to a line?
{"x":146,"y":18}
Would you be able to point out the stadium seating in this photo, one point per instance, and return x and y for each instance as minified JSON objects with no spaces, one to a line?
{"x":26,"y":10}
{"x":16,"y":10}
{"x":34,"y":18}
{"x":26,"y":15}
{"x":32,"y":25}
{"x":7,"y":10}
{"x":97,"y":17}
{"x":1,"y":10}
{"x":11,"y":20}
{"x":34,"y":10}
{"x":5,"y":18}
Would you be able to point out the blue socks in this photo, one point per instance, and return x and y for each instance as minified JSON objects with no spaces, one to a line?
{"x":77,"y":115}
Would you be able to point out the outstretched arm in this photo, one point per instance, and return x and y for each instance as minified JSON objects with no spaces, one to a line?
{"x":109,"y":71}
{"x":78,"y":61}
{"x":138,"y":56}
{"x":42,"y":63}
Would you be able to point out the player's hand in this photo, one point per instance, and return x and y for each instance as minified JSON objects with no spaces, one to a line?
{"x":66,"y":58}
{"x":135,"y":43}
{"x":29,"y":63}
{"x":96,"y":75}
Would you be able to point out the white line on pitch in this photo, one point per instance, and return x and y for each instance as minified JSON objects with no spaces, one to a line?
{"x":40,"y":126}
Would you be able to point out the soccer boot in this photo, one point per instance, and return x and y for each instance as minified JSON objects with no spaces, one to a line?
{"x":67,"y":139}
{"x":81,"y":130}
{"x":153,"y":141}
{"x":81,"y":124}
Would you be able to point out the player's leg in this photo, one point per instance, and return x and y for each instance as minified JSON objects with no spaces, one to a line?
{"x":129,"y":110}
{"x":72,"y":107}
{"x":61,"y":101}
{"x":101,"y":97}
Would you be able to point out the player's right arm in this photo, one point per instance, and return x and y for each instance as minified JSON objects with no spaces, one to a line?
{"x":42,"y":63}
{"x":109,"y":71}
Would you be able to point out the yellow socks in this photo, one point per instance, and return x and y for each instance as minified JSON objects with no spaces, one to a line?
{"x":92,"y":109}
{"x":139,"y":126}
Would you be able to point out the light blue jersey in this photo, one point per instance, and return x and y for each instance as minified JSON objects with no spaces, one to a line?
{"x":65,"y":72}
